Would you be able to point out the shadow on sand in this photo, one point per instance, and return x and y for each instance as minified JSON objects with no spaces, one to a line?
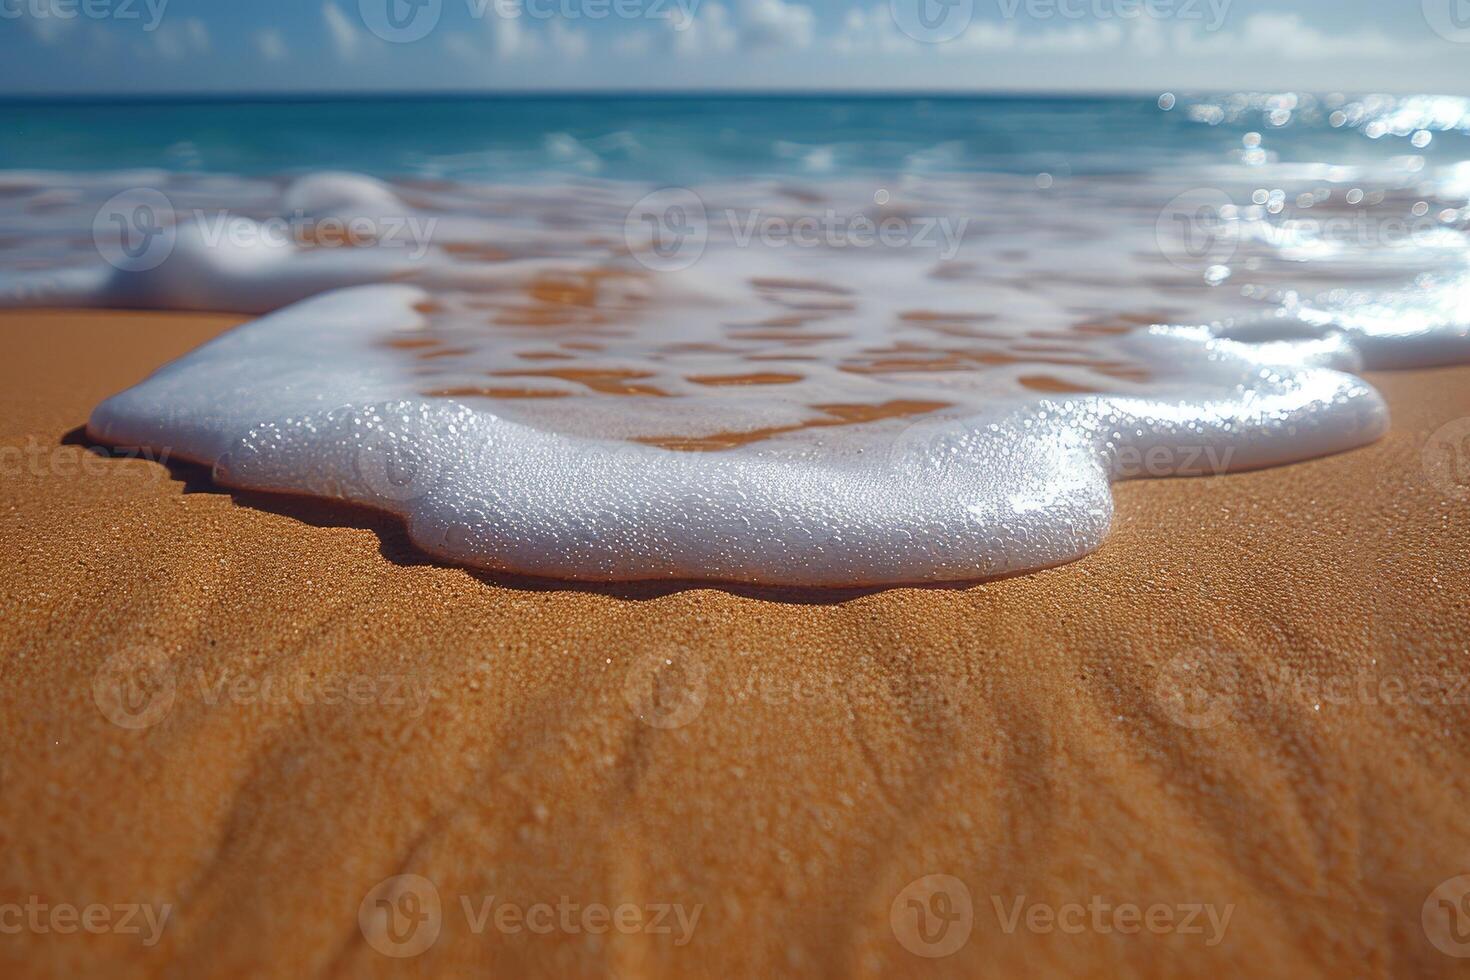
{"x":395,"y":546}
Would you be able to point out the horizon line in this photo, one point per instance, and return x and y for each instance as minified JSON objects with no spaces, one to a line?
{"x":333,"y":95}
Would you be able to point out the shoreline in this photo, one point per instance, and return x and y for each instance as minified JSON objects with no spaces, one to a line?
{"x":1231,"y":704}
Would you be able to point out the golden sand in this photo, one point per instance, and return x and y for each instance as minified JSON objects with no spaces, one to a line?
{"x":308,"y":706}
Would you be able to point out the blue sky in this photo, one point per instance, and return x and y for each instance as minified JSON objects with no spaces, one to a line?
{"x":194,"y":46}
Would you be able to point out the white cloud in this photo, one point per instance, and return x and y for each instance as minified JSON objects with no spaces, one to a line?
{"x":1283,"y":36}
{"x":634,"y":44}
{"x":511,"y":38}
{"x":271,"y":45}
{"x":860,"y":46}
{"x":461,"y":46}
{"x":340,"y":29}
{"x":1072,"y":39}
{"x":1288,"y":36}
{"x":707,"y":32}
{"x":1075,"y":39}
{"x":173,"y":42}
{"x":869,"y":31}
{"x":166,"y":46}
{"x":197,"y":34}
{"x":874,"y":31}
{"x":775,"y":24}
{"x":44,"y":18}
{"x":761,"y":25}
{"x":568,"y":43}
{"x":1147,"y":37}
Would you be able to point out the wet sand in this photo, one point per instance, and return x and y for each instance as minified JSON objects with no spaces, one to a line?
{"x":1235,"y":739}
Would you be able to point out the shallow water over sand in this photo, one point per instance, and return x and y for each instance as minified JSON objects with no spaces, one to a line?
{"x":837,"y":381}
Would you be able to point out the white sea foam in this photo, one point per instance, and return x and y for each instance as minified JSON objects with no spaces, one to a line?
{"x":535,"y":390}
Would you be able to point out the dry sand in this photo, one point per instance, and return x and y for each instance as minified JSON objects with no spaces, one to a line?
{"x":315,"y":707}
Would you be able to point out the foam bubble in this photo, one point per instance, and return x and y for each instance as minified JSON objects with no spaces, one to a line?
{"x":303,"y":401}
{"x":796,"y":405}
